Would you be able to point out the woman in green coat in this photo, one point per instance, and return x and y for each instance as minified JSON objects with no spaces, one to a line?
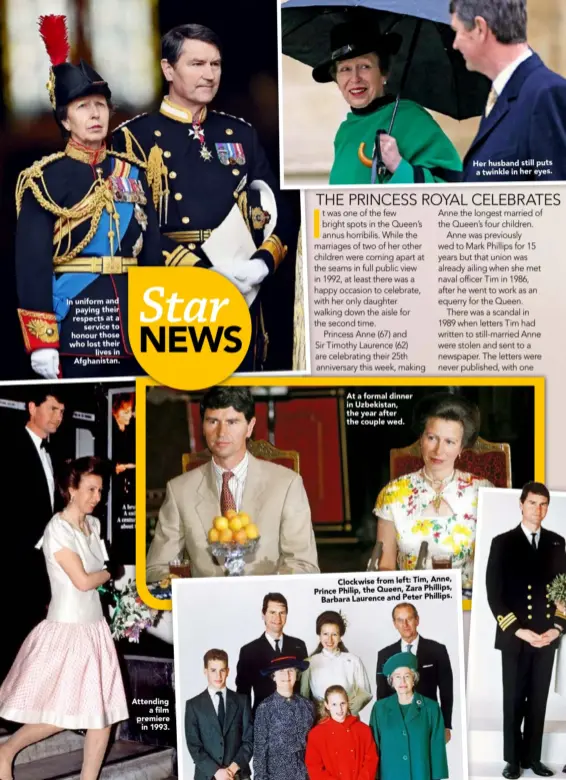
{"x":408,"y":728}
{"x":419,"y":151}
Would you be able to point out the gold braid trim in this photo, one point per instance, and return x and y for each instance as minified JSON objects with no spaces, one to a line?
{"x":157,"y":178}
{"x":129,"y":157}
{"x":98,"y":198}
{"x":243,"y":206}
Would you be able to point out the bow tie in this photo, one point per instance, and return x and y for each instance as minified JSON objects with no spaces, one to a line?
{"x":45,"y":445}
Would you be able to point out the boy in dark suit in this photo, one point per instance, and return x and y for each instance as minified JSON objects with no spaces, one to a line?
{"x":259,"y":653}
{"x":433,"y":664}
{"x":218,"y":725}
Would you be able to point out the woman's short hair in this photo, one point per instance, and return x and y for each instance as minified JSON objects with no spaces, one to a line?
{"x":416,"y":678}
{"x":448,"y":406}
{"x":332,"y":618}
{"x":74,"y":470}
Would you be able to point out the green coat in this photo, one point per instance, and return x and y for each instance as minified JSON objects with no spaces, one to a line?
{"x":410,"y":749}
{"x":428,"y":155}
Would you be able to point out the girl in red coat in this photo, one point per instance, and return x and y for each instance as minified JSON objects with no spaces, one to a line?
{"x":341,"y":747}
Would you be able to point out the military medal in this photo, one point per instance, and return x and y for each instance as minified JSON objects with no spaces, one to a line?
{"x":230,"y":154}
{"x":197,"y":132}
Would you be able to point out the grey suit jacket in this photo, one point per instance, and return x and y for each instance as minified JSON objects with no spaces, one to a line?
{"x":211,"y":747}
{"x":274,"y":498}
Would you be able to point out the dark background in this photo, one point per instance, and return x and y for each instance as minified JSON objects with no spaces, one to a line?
{"x":248,"y":31}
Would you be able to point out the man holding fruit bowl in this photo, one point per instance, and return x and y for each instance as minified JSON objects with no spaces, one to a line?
{"x":235,"y":497}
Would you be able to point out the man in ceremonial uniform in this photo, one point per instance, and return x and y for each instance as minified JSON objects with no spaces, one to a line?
{"x":522,"y":562}
{"x":216,"y":197}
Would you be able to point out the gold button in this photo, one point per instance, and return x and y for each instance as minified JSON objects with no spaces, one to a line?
{"x":530,"y":587}
{"x":548,"y":616}
{"x":172,"y":175}
{"x":529,"y":597}
{"x":178,"y":196}
{"x":530,"y":617}
{"x":185,"y":220}
{"x":530,"y":606}
{"x":192,"y":246}
{"x":236,"y":172}
{"x":167,"y":154}
{"x":157,"y":133}
{"x":229,"y":131}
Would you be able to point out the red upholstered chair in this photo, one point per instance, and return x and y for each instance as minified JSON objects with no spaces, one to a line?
{"x":260,"y":449}
{"x":486,"y":459}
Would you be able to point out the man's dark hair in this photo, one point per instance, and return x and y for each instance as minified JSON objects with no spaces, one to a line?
{"x":215,"y":655}
{"x":507,"y":19}
{"x":404,"y":604}
{"x":239,"y":398}
{"x":536,"y":488}
{"x":40,"y":393}
{"x":277,"y":598}
{"x":172,"y":42}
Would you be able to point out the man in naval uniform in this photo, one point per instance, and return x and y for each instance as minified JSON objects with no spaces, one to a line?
{"x":522,"y":562}
{"x":218,"y":202}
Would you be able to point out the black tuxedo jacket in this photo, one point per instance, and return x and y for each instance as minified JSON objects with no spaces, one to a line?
{"x":257,"y":655}
{"x":211,"y":747}
{"x":516,"y":580}
{"x":435,"y":671}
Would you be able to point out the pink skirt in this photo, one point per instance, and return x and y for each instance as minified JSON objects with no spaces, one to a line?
{"x":67,"y":675}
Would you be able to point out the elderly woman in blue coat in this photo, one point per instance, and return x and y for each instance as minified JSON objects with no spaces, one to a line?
{"x":408,"y":728}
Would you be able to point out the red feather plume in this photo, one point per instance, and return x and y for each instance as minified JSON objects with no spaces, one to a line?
{"x":53,"y":30}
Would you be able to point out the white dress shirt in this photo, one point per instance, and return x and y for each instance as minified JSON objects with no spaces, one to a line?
{"x":237,"y":483}
{"x":45,"y":462}
{"x":500,"y":81}
{"x":213,"y":695}
{"x":529,"y":534}
{"x":272,"y":640}
{"x":414,"y":646}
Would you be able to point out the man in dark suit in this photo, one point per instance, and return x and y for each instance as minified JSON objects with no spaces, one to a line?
{"x":218,"y":725}
{"x":257,"y":655}
{"x":522,"y":134}
{"x":433,"y":663}
{"x":28,"y":489}
{"x":521,"y":563}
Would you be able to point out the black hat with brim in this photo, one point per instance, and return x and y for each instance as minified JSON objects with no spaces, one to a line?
{"x":285,"y":662}
{"x":348,"y":41}
{"x":77,"y":81}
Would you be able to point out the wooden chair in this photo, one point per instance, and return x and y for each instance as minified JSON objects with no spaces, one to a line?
{"x":486,"y":459}
{"x":260,"y":449}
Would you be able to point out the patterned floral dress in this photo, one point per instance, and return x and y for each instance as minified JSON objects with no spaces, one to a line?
{"x":407,"y":503}
{"x":280,"y":737}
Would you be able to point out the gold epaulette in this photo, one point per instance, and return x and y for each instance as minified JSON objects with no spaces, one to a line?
{"x":34,"y":171}
{"x":130,"y":141}
{"x":231,"y":116}
{"x":560,"y":614}
{"x":506,"y":620}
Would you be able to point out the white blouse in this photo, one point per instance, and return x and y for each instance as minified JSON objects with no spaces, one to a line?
{"x":69,"y":604}
{"x":327,"y":668}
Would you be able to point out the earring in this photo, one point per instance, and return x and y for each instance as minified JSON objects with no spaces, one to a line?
{"x":384,"y":82}
{"x":71,"y":499}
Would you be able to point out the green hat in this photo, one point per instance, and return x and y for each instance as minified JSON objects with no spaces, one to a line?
{"x":398,"y":660}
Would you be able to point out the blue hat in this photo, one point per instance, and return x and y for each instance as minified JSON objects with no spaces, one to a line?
{"x":399,"y":660}
{"x":285,"y":662}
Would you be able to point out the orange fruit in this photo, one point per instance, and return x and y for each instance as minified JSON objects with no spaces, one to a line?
{"x":213,"y":535}
{"x":244,"y":519}
{"x":235,"y":523}
{"x":220,"y":523}
{"x":226,"y":536}
{"x":252,"y":531}
{"x":230,"y":513}
{"x":241,"y":536}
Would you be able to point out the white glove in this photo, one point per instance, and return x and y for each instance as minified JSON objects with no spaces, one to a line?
{"x":246,"y":274}
{"x":45,"y":362}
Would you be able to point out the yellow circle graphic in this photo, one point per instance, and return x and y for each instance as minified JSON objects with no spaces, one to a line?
{"x":189,"y":328}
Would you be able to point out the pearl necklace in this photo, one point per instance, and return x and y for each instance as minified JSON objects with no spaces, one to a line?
{"x":438,"y":485}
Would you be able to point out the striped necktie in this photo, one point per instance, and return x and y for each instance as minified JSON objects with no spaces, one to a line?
{"x":491,"y":101}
